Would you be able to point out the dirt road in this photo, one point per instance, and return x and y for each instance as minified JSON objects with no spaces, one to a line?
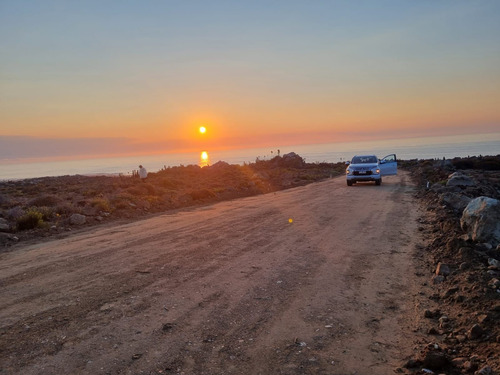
{"x":231,"y":288}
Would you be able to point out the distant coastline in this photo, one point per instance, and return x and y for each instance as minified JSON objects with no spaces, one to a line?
{"x":446,"y":147}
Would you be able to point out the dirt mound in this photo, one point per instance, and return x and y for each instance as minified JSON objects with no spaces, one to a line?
{"x":462,"y":287}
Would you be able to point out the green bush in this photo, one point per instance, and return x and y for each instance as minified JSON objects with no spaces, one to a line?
{"x":31,"y":219}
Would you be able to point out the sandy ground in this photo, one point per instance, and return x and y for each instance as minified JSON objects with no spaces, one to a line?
{"x":230,"y":288}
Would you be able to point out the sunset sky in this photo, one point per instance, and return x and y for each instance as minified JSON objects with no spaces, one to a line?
{"x":104,"y":77}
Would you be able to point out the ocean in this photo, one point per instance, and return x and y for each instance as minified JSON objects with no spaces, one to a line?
{"x":410,"y":148}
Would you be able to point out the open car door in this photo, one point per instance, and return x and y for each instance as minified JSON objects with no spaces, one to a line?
{"x":388,"y":165}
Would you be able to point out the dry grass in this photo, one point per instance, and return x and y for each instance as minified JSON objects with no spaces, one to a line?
{"x":34,"y":206}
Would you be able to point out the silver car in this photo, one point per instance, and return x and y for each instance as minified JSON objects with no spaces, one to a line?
{"x":363,"y":168}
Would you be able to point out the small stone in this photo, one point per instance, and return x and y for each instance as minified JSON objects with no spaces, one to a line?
{"x":433,"y":331}
{"x":475,"y":332}
{"x":437,"y":279}
{"x":167,"y":327}
{"x":486,"y":370}
{"x":450,"y":292}
{"x":483,"y":318}
{"x":431,"y":313}
{"x":434,"y":360}
{"x":494,"y":283}
{"x":463,"y":266}
{"x":461,"y":338}
{"x":492,"y":262}
{"x":458,"y":362}
{"x":412,"y":363}
{"x":470,"y":366}
{"x":4,"y":227}
{"x":443,"y":318}
{"x":487,"y":246}
{"x":443,"y":269}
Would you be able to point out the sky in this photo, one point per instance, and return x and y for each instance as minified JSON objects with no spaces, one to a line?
{"x":131,"y":77}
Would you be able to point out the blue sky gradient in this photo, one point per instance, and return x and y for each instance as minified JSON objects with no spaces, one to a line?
{"x":280,"y":71}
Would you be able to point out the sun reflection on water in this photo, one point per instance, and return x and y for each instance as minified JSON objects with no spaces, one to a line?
{"x":204,"y":159}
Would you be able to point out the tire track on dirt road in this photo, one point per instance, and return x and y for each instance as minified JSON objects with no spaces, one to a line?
{"x":230,"y":288}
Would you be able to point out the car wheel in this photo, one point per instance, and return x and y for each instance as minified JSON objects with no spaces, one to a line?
{"x":378,"y":182}
{"x":349,"y":183}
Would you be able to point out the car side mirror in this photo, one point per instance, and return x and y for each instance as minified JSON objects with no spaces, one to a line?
{"x":347,"y":162}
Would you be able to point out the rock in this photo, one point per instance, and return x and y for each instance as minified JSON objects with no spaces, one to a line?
{"x":4,"y":237}
{"x":3,"y":221}
{"x":450,"y":292}
{"x":487,"y":246}
{"x":494,"y":283}
{"x":456,"y":201}
{"x":495,"y":264}
{"x":77,"y":219}
{"x":433,"y":331}
{"x":438,"y":188}
{"x":481,"y":220}
{"x":412,"y":363}
{"x":431,"y":313}
{"x":443,"y":269}
{"x":483,"y":318}
{"x":4,"y":227}
{"x":434,"y":360}
{"x":475,"y":332}
{"x":470,"y":365}
{"x":486,"y":370}
{"x":458,"y":362}
{"x":443,"y":322}
{"x":464,"y":266}
{"x":437,"y":279}
{"x":460,"y":180}
{"x":493,"y":273}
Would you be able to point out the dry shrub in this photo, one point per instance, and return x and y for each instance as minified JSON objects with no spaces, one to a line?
{"x":64,"y":209}
{"x":101,"y":204}
{"x":202,"y":194}
{"x":45,"y":200}
{"x":142,"y":189}
{"x":47,"y":212}
{"x":169,"y":183}
{"x":15,"y":212}
{"x":122,"y":200}
{"x":152,"y":199}
{"x":30,"y":220}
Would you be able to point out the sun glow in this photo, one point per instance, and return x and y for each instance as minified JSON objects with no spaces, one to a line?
{"x":202,"y":130}
{"x":204,"y":159}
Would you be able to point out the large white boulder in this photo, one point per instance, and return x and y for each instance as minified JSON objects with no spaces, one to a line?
{"x":481,"y":220}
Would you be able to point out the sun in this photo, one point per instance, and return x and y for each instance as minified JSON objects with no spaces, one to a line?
{"x":202,"y":130}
